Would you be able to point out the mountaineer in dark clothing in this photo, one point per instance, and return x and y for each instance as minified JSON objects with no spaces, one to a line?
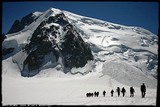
{"x":89,"y":94}
{"x":104,"y":92}
{"x":96,"y":94}
{"x":118,"y":91}
{"x":132,"y":92}
{"x":123,"y":91}
{"x":143,"y":90}
{"x":112,"y":92}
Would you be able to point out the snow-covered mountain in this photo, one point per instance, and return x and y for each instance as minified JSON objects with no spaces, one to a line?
{"x":58,"y":43}
{"x":54,"y":40}
{"x":61,"y":35}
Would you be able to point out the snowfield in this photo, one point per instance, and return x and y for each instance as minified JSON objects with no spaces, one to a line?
{"x":69,"y":91}
{"x":52,"y":87}
{"x":123,"y":57}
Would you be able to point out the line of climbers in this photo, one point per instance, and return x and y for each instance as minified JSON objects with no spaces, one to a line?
{"x":132,"y":91}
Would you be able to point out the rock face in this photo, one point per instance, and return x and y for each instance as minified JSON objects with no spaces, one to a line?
{"x":56,"y":37}
{"x":18,"y":25}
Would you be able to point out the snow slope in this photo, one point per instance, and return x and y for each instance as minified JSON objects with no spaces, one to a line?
{"x":123,"y":56}
{"x":135,"y":45}
{"x":67,"y":89}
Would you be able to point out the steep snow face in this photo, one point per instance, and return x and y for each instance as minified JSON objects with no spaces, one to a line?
{"x":134,"y":45}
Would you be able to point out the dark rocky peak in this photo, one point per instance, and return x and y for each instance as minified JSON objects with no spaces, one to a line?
{"x":47,"y":40}
{"x":75,"y":51}
{"x":18,"y":25}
